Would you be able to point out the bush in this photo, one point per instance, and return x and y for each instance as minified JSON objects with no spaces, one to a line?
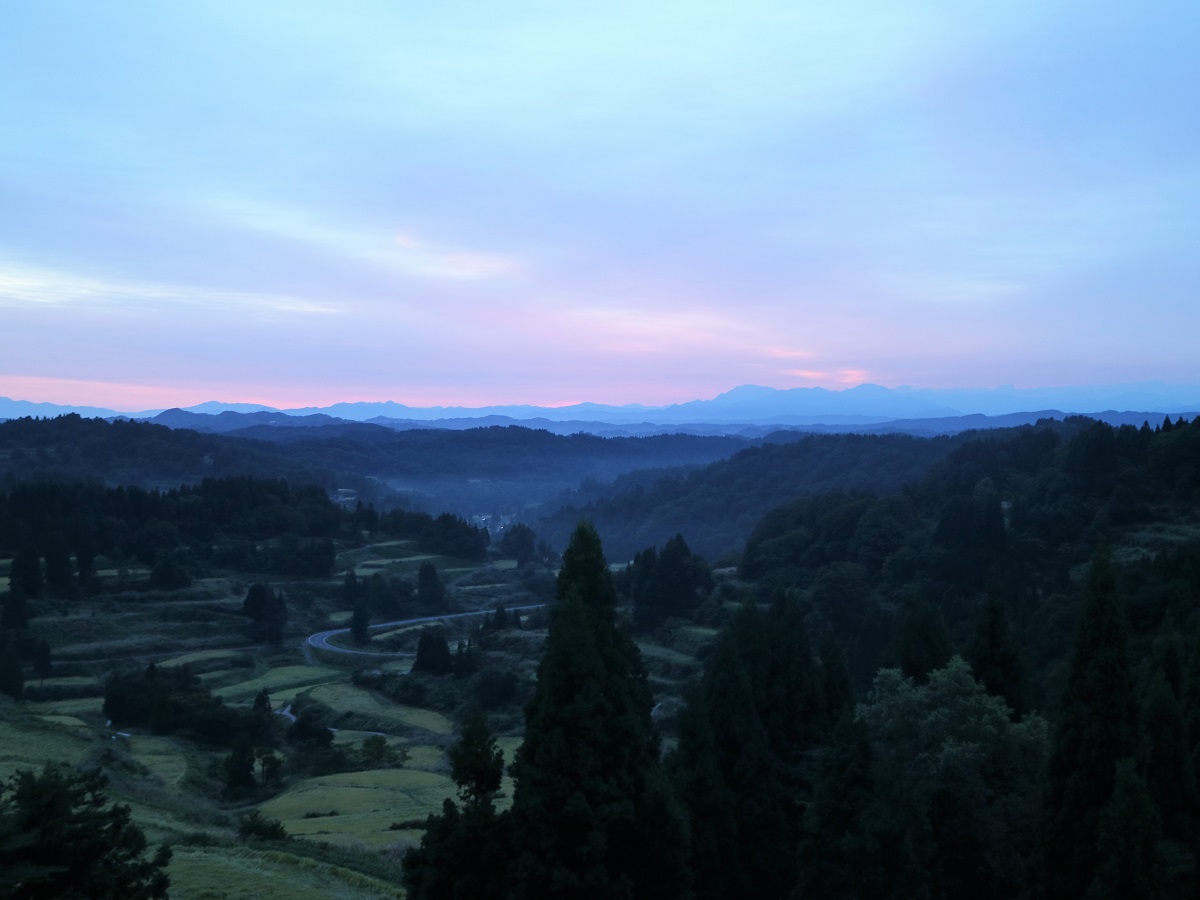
{"x":255,"y":826}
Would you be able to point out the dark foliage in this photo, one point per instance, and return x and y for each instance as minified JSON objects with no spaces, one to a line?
{"x":433,"y":653}
{"x":59,"y":837}
{"x":591,"y":811}
{"x":465,"y":852}
{"x":175,"y":700}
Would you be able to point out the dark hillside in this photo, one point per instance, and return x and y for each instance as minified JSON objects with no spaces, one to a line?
{"x":1007,"y":519}
{"x":484,"y":470}
{"x":717,"y":507}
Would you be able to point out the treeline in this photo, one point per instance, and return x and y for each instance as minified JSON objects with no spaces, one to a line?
{"x":717,"y":506}
{"x":992,"y":535}
{"x":494,"y":469}
{"x":56,"y":532}
{"x":74,"y":449}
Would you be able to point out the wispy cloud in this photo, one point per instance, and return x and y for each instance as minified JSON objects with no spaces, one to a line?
{"x":32,"y":286}
{"x":400,"y":251}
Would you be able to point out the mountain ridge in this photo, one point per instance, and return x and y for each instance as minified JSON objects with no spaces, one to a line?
{"x":745,"y":406}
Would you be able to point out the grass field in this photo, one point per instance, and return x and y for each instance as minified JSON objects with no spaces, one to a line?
{"x":74,"y":706}
{"x":165,"y":759}
{"x":201,"y":656}
{"x":348,"y":698}
{"x":28,"y":743}
{"x":366,"y":803}
{"x":222,"y":873}
{"x":282,"y":682}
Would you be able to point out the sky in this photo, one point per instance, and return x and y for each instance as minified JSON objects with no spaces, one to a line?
{"x":473,"y":203}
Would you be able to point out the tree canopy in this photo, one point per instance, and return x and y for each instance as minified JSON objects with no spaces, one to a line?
{"x":59,"y":837}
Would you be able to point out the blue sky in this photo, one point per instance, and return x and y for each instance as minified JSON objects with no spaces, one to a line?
{"x":471,"y":203}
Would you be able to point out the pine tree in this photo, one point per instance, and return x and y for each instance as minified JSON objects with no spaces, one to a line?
{"x":431,"y":594}
{"x":1096,"y":729}
{"x":1127,"y":842}
{"x":592,"y":814}
{"x":360,"y":623}
{"x":12,"y":681}
{"x":476,"y":763}
{"x":14,"y":612}
{"x":1169,"y":776}
{"x":763,"y":709}
{"x":996,"y":659}
{"x":43,"y":665}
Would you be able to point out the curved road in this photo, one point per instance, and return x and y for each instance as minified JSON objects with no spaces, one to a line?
{"x":320,"y":640}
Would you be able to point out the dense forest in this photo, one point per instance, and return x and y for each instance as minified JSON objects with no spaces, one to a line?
{"x":987,"y":684}
{"x":718,"y":505}
{"x":950,"y":667}
{"x":491,"y":470}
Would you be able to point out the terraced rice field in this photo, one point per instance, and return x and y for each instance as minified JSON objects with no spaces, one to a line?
{"x":209,"y":873}
{"x":348,"y":698}
{"x":282,"y":683}
{"x":201,"y":656}
{"x":28,"y":745}
{"x":366,"y":803}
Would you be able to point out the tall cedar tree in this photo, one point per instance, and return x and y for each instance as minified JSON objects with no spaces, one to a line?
{"x":1097,"y":728}
{"x":360,"y":622}
{"x":592,"y":813}
{"x":743,"y":742}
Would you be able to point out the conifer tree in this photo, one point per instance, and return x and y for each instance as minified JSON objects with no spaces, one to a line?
{"x":12,"y":681}
{"x":1169,"y":776}
{"x":758,"y":712}
{"x":1127,"y":842}
{"x":1096,"y":729}
{"x":996,"y":660}
{"x":360,"y":622}
{"x":592,"y":815}
{"x":465,"y":852}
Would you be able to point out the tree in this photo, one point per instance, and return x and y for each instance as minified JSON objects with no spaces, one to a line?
{"x":996,"y":659}
{"x":433,"y":653}
{"x":955,"y":777}
{"x":1096,"y":729}
{"x":430,"y":592}
{"x":60,"y":579}
{"x":239,"y":767}
{"x":519,"y":542}
{"x":592,"y":814}
{"x":267,"y":611}
{"x":14,"y":613}
{"x":59,"y":837}
{"x":668,"y":584}
{"x":476,"y":763}
{"x":351,"y":590}
{"x":43,"y":665}
{"x":26,"y":572}
{"x":1127,"y":843}
{"x":466,"y":852}
{"x":12,"y":681}
{"x":168,"y":572}
{"x":360,"y":622}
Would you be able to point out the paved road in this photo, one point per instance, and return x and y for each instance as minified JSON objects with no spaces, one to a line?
{"x":320,"y":640}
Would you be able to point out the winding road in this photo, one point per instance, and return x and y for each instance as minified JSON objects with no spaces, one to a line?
{"x":320,"y":640}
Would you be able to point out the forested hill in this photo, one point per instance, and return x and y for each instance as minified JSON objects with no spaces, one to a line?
{"x":480,"y":470}
{"x":718,"y":506}
{"x":72,"y":449}
{"x":998,"y":531}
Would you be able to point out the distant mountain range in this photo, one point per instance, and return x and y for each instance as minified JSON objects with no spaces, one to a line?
{"x":749,"y":410}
